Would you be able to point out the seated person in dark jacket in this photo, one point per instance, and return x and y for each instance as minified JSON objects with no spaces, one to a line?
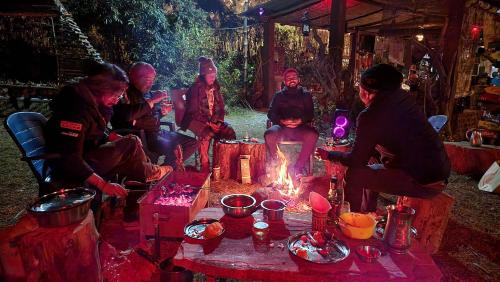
{"x":77,"y":131}
{"x":291,"y":111}
{"x":142,"y":109}
{"x":205,"y":111}
{"x":416,"y":164}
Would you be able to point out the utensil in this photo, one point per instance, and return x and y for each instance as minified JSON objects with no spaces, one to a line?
{"x":357,"y":225}
{"x":195,"y":229}
{"x":332,"y":251}
{"x":398,"y":231}
{"x":273,"y":209}
{"x":475,"y":138}
{"x":238,"y":205}
{"x":368,"y":253}
{"x":63,"y":207}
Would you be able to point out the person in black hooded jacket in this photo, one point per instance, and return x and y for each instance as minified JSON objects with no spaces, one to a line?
{"x":415,"y":161}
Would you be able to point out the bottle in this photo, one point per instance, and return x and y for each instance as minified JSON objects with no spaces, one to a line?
{"x":333,"y":199}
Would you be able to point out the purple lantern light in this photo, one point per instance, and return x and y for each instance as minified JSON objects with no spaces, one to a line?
{"x":338,"y":132}
{"x":341,"y":121}
{"x":261,"y":11}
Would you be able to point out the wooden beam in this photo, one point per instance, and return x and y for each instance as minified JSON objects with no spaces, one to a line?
{"x":293,"y":9}
{"x":403,"y":6}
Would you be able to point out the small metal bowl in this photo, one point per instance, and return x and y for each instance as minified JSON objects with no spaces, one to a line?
{"x":368,"y":253}
{"x":238,"y":205}
{"x":273,"y":209}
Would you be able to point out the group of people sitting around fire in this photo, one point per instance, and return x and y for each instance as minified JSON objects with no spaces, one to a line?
{"x":83,"y":114}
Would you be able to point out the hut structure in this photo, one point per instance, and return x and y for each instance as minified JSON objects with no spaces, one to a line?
{"x":41,"y":47}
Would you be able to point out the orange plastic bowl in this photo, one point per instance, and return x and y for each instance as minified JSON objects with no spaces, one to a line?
{"x":357,"y":225}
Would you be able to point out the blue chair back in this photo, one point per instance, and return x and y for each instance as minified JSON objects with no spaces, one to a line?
{"x":438,"y":122}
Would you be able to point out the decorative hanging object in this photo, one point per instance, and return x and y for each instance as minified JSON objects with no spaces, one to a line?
{"x":306,"y":24}
{"x":419,"y":37}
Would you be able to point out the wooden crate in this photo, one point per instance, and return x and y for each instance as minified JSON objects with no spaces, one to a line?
{"x":172,"y":219}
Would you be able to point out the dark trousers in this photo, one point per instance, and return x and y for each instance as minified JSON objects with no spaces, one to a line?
{"x":363,"y":184}
{"x":304,"y":133}
{"x":123,"y":158}
{"x":164,"y":144}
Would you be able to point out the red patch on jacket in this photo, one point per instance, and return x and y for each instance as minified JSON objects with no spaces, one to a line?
{"x":71,"y":125}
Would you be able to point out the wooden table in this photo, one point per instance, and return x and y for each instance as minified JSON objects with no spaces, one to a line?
{"x":466,"y":159}
{"x":237,"y":256}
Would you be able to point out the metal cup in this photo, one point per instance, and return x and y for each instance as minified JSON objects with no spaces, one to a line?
{"x":319,"y":221}
{"x":216,"y":173}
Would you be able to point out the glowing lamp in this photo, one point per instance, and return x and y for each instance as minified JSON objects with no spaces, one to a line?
{"x":340,"y":128}
{"x":306,"y":24}
{"x":261,"y":11}
{"x":475,"y":31}
{"x":419,"y":37}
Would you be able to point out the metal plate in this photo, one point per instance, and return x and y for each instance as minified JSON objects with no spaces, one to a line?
{"x":226,"y":141}
{"x":333,"y":250}
{"x":62,"y":199}
{"x":194,"y":230}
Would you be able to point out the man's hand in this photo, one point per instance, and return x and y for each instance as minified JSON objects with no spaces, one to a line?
{"x":157,"y":97}
{"x":113,"y":136}
{"x":321,"y":154}
{"x":113,"y":189}
{"x":290,"y":122}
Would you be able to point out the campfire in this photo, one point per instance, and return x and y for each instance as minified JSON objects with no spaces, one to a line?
{"x":284,"y":184}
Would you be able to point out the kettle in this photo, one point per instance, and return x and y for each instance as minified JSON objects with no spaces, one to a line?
{"x":398,"y":230}
{"x":474,"y":137}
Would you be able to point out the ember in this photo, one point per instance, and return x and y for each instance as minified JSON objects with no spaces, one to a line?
{"x":284,"y":183}
{"x":176,"y":195}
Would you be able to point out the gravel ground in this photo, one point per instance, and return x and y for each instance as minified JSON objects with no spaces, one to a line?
{"x":470,"y":248}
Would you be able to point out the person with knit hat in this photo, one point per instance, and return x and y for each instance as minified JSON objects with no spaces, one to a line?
{"x":205,"y":111}
{"x":414,"y":161}
{"x":142,"y":109}
{"x":291,"y":111}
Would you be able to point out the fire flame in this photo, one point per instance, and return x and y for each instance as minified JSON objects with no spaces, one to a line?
{"x":284,"y":180}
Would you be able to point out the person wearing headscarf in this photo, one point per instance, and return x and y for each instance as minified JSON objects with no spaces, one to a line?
{"x":205,"y":111}
{"x":414,"y":160}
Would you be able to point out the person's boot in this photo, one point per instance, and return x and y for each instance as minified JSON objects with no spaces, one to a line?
{"x":159,"y":172}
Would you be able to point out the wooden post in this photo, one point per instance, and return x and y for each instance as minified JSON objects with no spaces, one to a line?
{"x":450,"y":56}
{"x":336,"y":40}
{"x":268,"y":61}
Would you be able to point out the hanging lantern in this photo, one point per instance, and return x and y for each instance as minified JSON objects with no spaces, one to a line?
{"x":475,"y":31}
{"x":306,"y":24}
{"x":419,"y":37}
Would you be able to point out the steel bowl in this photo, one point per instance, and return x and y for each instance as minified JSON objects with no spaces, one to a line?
{"x":238,"y":205}
{"x":273,"y":209}
{"x":63,"y":207}
{"x":368,"y":253}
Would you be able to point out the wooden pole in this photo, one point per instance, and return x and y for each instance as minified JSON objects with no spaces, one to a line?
{"x":450,"y":55}
{"x":336,"y":40}
{"x":354,"y":48}
{"x":268,"y":61}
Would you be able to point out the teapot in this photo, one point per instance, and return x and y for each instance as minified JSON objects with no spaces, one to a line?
{"x":474,"y":137}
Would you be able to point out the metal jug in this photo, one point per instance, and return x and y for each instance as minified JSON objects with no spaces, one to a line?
{"x":398,"y":231}
{"x":474,"y":137}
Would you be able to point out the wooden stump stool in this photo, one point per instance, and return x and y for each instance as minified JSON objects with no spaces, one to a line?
{"x":336,"y":168}
{"x":68,"y":253}
{"x":431,"y":219}
{"x":228,"y":156}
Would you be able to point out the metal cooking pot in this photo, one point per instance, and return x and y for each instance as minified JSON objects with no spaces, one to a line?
{"x":63,"y":207}
{"x":273,"y":209}
{"x":238,"y":205}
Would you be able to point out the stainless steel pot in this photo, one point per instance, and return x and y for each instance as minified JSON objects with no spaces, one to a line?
{"x":273,"y":209}
{"x":238,"y":205}
{"x":475,"y":138}
{"x":398,"y":231}
{"x":63,"y":207}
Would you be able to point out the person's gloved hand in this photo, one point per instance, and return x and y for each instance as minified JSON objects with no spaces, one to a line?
{"x":321,"y":154}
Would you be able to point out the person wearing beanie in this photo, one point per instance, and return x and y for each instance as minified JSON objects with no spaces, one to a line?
{"x":205,"y":111}
{"x":142,"y":109}
{"x":414,"y":162}
{"x":291,"y":112}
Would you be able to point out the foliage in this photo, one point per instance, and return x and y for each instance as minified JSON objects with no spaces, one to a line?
{"x":170,"y":36}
